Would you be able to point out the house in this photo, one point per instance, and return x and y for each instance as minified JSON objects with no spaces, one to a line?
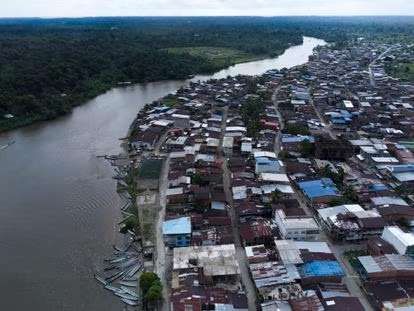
{"x":256,"y":231}
{"x":309,"y":302}
{"x":387,"y":201}
{"x":293,"y":142}
{"x":386,"y":267}
{"x":319,"y":190}
{"x":402,"y":241}
{"x":390,"y":294}
{"x":403,"y":174}
{"x":219,"y":262}
{"x":350,"y":222}
{"x":181,"y":120}
{"x":317,"y":271}
{"x":267,"y":165}
{"x":228,"y":143}
{"x":296,"y":228}
{"x":299,"y":252}
{"x":271,"y":273}
{"x":177,"y":232}
{"x":191,"y":291}
{"x":376,"y":246}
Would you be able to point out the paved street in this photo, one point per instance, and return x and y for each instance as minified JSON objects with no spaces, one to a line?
{"x":246,"y":278}
{"x":351,"y":280}
{"x":163,"y":263}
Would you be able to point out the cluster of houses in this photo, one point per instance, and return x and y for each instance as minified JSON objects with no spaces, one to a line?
{"x":329,"y":164}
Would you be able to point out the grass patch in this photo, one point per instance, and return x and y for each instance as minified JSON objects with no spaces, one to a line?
{"x":150,"y":169}
{"x":219,"y":56}
{"x":170,"y":101}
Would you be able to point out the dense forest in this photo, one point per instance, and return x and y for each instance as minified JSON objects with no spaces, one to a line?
{"x":47,"y":66}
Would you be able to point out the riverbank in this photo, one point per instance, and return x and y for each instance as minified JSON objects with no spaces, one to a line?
{"x":210,"y":63}
{"x":70,"y":195}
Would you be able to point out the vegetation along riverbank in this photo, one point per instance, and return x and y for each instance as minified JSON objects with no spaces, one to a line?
{"x":48,"y":66}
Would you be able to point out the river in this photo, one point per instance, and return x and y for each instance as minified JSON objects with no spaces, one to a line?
{"x":58,"y":206}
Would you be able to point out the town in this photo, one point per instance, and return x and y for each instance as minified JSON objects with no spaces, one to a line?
{"x":287,"y":191}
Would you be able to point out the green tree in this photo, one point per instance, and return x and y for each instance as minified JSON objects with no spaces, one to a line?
{"x":306,"y":148}
{"x":154,"y":293}
{"x":296,"y":129}
{"x":146,"y":280}
{"x":276,"y":195}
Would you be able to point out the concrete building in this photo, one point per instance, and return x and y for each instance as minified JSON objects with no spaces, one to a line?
{"x":219,"y":262}
{"x":177,"y":232}
{"x":402,"y":241}
{"x":296,"y":228}
{"x":350,"y":222}
{"x":228,"y":143}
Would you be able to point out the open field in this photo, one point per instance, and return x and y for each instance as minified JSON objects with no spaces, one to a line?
{"x":150,"y":169}
{"x":219,"y":56}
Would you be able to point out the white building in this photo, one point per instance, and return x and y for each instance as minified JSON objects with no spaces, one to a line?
{"x":403,"y":242}
{"x":228,"y":142}
{"x":216,"y":260}
{"x":296,"y":228}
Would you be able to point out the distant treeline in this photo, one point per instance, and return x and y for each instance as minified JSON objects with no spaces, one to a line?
{"x":47,"y":66}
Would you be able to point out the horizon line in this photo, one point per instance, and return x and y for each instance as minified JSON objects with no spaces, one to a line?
{"x":189,"y":16}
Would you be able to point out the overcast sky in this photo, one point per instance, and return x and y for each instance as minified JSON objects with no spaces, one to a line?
{"x":71,"y":8}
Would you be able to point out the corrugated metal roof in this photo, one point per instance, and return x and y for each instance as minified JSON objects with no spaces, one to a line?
{"x":369,"y":264}
{"x":288,"y":252}
{"x":388,"y":201}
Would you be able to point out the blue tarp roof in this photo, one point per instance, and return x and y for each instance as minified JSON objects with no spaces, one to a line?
{"x":322,"y":268}
{"x":318,"y":188}
{"x":177,"y":226}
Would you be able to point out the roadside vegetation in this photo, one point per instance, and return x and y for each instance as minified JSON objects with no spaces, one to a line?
{"x":151,"y":289}
{"x":251,"y":111}
{"x":352,"y":257}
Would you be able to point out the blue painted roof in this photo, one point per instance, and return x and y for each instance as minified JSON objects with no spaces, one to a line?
{"x":177,"y":226}
{"x":318,"y":188}
{"x":322,"y":268}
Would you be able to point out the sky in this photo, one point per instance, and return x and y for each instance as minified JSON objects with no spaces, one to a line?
{"x":81,"y":8}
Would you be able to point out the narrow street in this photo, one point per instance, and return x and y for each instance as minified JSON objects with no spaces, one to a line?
{"x":351,"y":280}
{"x":163,"y":262}
{"x":326,"y":127}
{"x":371,"y":74}
{"x":278,"y":138}
{"x":246,"y":278}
